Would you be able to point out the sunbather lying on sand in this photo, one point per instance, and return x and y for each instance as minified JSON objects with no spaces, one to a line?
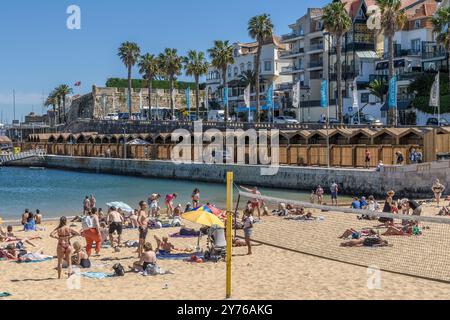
{"x":354,"y":234}
{"x":165,"y":247}
{"x":406,"y":230}
{"x":10,"y":237}
{"x":34,"y":256}
{"x":306,"y":217}
{"x":366,"y":242}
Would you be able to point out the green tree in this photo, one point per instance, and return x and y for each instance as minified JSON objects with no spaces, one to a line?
{"x":196,"y":66}
{"x":393,"y":19}
{"x":129,"y":53}
{"x":52,"y":101}
{"x":259,"y":28}
{"x":170,"y":66}
{"x":337,"y":22}
{"x":441,"y":23}
{"x":221,"y":56}
{"x":149,"y":68}
{"x":378,"y":88}
{"x":62,"y":92}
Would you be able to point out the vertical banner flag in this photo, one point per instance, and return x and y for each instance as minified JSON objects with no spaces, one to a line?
{"x":225,"y":97}
{"x":188,"y":99}
{"x":355,"y":95}
{"x":434,"y":95}
{"x":174,"y":97}
{"x":207,"y":98}
{"x":296,"y":95}
{"x":324,"y":94}
{"x":393,"y":93}
{"x":247,"y":96}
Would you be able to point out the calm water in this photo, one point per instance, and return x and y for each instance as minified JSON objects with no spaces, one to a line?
{"x":57,"y":192}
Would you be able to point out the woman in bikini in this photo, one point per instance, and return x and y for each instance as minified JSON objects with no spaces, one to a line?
{"x":63,"y":234}
{"x":196,"y":198}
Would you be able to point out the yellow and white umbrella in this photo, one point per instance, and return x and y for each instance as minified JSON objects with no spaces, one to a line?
{"x":204,"y":218}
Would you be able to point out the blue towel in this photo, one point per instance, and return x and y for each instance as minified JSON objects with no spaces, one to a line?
{"x":4,"y":294}
{"x":179,"y":256}
{"x":34,"y":261}
{"x":96,"y":275}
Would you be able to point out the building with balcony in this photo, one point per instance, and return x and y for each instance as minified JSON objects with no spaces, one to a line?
{"x":307,"y":58}
{"x":273,"y":70}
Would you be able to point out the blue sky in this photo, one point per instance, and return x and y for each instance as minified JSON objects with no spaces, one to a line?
{"x":38,"y":52}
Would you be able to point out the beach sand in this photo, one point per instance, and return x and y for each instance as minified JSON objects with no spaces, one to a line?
{"x":270,"y":273}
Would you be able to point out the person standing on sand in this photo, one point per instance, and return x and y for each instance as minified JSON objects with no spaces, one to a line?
{"x":63,"y":234}
{"x":368,"y":158}
{"x":334,"y":194}
{"x":319,"y":194}
{"x":91,"y":232}
{"x":142,"y":222}
{"x":86,"y":205}
{"x":196,"y":198}
{"x":169,"y":203}
{"x":92,"y":201}
{"x":438,"y":189}
{"x":248,"y":222}
{"x":115,"y":221}
{"x":256,"y":201}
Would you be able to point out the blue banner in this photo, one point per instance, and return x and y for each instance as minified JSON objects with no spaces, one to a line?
{"x":269,"y":96}
{"x":392,"y":103}
{"x":225,"y":96}
{"x":188,"y":98}
{"x":324,"y":94}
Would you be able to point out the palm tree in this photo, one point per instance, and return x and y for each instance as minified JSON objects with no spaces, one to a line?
{"x":170,"y":64}
{"x":221,"y":56}
{"x":196,"y":66}
{"x":149,"y":68}
{"x":441,"y":23}
{"x":129,"y":53}
{"x":259,"y":28}
{"x":62,"y":91}
{"x":378,"y":88}
{"x":337,"y":22}
{"x":52,"y":101}
{"x":392,"y":20}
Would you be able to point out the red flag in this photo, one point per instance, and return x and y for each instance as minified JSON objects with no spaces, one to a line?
{"x":77,"y":84}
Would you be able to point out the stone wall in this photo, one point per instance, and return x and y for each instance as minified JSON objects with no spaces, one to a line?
{"x":409,"y":181}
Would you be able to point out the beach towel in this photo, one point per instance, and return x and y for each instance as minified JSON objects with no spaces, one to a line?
{"x":178,"y":256}
{"x":178,"y":235}
{"x":5,"y":294}
{"x":96,"y":275}
{"x":35,"y":261}
{"x":155,"y":270}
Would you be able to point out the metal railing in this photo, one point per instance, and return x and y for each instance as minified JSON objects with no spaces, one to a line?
{"x":22,"y":155}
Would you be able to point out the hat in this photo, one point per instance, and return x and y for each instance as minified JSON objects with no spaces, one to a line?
{"x":391,"y":193}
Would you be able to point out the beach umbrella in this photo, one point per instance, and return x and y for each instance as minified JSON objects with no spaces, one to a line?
{"x":211,"y":209}
{"x":205,"y":218}
{"x":121,"y":205}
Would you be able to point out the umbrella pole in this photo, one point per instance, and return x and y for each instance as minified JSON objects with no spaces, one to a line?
{"x":229,"y":234}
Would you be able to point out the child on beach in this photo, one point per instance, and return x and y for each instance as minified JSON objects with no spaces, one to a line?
{"x":169,"y":203}
{"x":80,"y":257}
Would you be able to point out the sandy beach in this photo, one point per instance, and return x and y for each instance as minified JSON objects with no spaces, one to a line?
{"x":271,"y":273}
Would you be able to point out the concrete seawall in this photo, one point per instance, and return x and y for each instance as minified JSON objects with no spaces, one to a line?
{"x":410,"y":181}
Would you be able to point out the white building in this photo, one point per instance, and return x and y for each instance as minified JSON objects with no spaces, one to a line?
{"x":271,"y":67}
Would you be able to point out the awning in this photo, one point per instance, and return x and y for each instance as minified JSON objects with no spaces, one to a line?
{"x":367,"y":54}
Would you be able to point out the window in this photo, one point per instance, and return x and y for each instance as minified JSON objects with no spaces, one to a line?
{"x":229,"y":72}
{"x":417,"y":24}
{"x":301,"y":31}
{"x":249,"y":66}
{"x":365,"y":97}
{"x":415,"y":45}
{"x":236,"y":52}
{"x":236,"y":71}
{"x":267,"y":65}
{"x":242,"y":68}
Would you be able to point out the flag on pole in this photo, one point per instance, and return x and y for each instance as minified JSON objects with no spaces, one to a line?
{"x":393,"y":93}
{"x":355,"y":95}
{"x":207,"y":98}
{"x":247,"y":96}
{"x":296,"y":95}
{"x":434,"y":94}
{"x":225,"y":96}
{"x":77,"y":84}
{"x":324,"y":94}
{"x":188,"y":98}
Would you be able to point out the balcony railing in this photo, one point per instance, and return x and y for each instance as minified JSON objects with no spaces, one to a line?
{"x":291,"y":36}
{"x":403,"y":53}
{"x":291,"y":52}
{"x":284,"y":86}
{"x":315,"y":64}
{"x":291,"y":69}
{"x":318,"y":46}
{"x":434,"y":54}
{"x":345,"y":75}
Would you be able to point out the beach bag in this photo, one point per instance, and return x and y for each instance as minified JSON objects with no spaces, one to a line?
{"x":119,"y":271}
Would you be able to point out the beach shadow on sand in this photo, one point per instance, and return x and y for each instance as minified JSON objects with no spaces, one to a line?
{"x":34,"y":280}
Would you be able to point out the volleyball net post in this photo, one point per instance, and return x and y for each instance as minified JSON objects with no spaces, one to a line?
{"x":229,"y":234}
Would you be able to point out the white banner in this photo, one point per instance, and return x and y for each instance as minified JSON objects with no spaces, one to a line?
{"x":207,"y":98}
{"x":296,"y":95}
{"x":355,"y":95}
{"x":247,"y":96}
{"x":434,"y":94}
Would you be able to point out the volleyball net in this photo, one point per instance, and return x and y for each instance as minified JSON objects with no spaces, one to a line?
{"x":416,"y":245}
